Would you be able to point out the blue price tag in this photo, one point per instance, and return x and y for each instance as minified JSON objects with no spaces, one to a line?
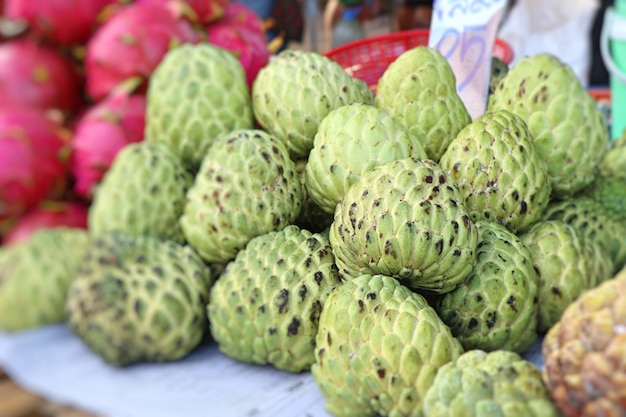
{"x":464,"y":31}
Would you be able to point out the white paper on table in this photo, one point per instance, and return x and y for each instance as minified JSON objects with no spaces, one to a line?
{"x":54,"y":363}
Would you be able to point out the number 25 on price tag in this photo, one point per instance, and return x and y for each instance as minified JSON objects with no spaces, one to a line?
{"x":464,"y":31}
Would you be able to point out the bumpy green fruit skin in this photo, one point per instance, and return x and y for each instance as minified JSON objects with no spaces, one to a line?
{"x":143,"y":193}
{"x":35,"y":275}
{"x":378,"y":348}
{"x":404,"y":219}
{"x":419,"y":88}
{"x":197,"y":93}
{"x":495,"y":384}
{"x":247,"y":186}
{"x":595,"y":223}
{"x":350,"y":140}
{"x":312,"y":217}
{"x":496,"y":306}
{"x":499,"y":173}
{"x":296,"y":90}
{"x":614,"y":160}
{"x":568,"y":128}
{"x":137,"y":298}
{"x":565,"y":266}
{"x":610,"y":193}
{"x":265,"y":307}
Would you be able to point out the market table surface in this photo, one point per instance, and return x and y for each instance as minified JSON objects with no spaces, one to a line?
{"x":17,"y":402}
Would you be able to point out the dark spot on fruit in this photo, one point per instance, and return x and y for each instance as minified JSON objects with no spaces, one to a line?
{"x":479,"y":298}
{"x":515,"y":195}
{"x":262,"y":308}
{"x":442,"y":179}
{"x":428,"y":179}
{"x":272,"y":330}
{"x":556,"y":291}
{"x":472,"y":323}
{"x":381,"y":373}
{"x":329,"y":339}
{"x":377,"y":202}
{"x":439,"y":246}
{"x":239,"y":310}
{"x":318,"y":276}
{"x":322,"y":253}
{"x":371,"y":295}
{"x":308,"y":261}
{"x":283,"y":299}
{"x":453,"y":204}
{"x":457,"y":252}
{"x":302,"y":292}
{"x":466,"y":148}
{"x":361,"y":306}
{"x":280,"y":261}
{"x":281,"y":170}
{"x":455,"y":167}
{"x":524,"y":207}
{"x":292,"y":329}
{"x":491,"y":319}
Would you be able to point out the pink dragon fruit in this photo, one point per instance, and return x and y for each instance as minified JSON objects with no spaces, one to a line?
{"x":99,"y":135}
{"x":34,"y":152}
{"x":241,"y":14}
{"x":250,"y":47}
{"x":61,"y":22}
{"x":130,"y":45}
{"x":37,"y":76}
{"x":47,"y":214}
{"x":196,"y":11}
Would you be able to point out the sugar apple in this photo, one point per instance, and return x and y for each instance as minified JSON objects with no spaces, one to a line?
{"x":137,"y":298}
{"x":595,"y":223}
{"x":419,"y":88}
{"x":35,"y":275}
{"x":495,"y":384}
{"x":247,"y":186}
{"x":378,"y":348}
{"x":296,"y":90}
{"x":565,"y":264}
{"x":568,"y":128}
{"x":614,"y":160}
{"x":501,"y":176}
{"x":197,"y":93}
{"x":498,"y":70}
{"x":350,"y":140}
{"x":584,"y":353}
{"x":496,"y":307}
{"x":312,"y":217}
{"x":265,"y":307}
{"x":610,"y":193}
{"x":143,"y":193}
{"x":405,"y":219}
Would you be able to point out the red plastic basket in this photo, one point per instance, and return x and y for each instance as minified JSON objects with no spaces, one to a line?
{"x":367,"y":59}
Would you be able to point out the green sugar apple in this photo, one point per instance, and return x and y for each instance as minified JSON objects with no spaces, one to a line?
{"x":595,"y":223}
{"x":495,"y":384}
{"x":35,"y":275}
{"x":610,"y":193}
{"x":406,"y":220}
{"x":197,"y":93}
{"x":614,"y":160}
{"x":378,"y":349}
{"x":419,"y":88}
{"x":137,"y":298}
{"x":296,"y":90}
{"x":496,"y":307}
{"x":500,"y":175}
{"x":247,"y":186}
{"x":143,"y":193}
{"x":312,"y":217}
{"x":566,"y":266}
{"x":568,"y":128}
{"x":350,"y":140}
{"x":265,"y":307}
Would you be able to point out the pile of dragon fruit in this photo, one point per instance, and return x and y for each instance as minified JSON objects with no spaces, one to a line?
{"x":73,"y":78}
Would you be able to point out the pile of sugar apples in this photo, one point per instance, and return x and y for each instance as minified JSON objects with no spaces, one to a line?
{"x":73,"y":78}
{"x":403,"y":253}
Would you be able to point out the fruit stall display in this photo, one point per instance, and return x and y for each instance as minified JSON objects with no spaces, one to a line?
{"x":164,"y":184}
